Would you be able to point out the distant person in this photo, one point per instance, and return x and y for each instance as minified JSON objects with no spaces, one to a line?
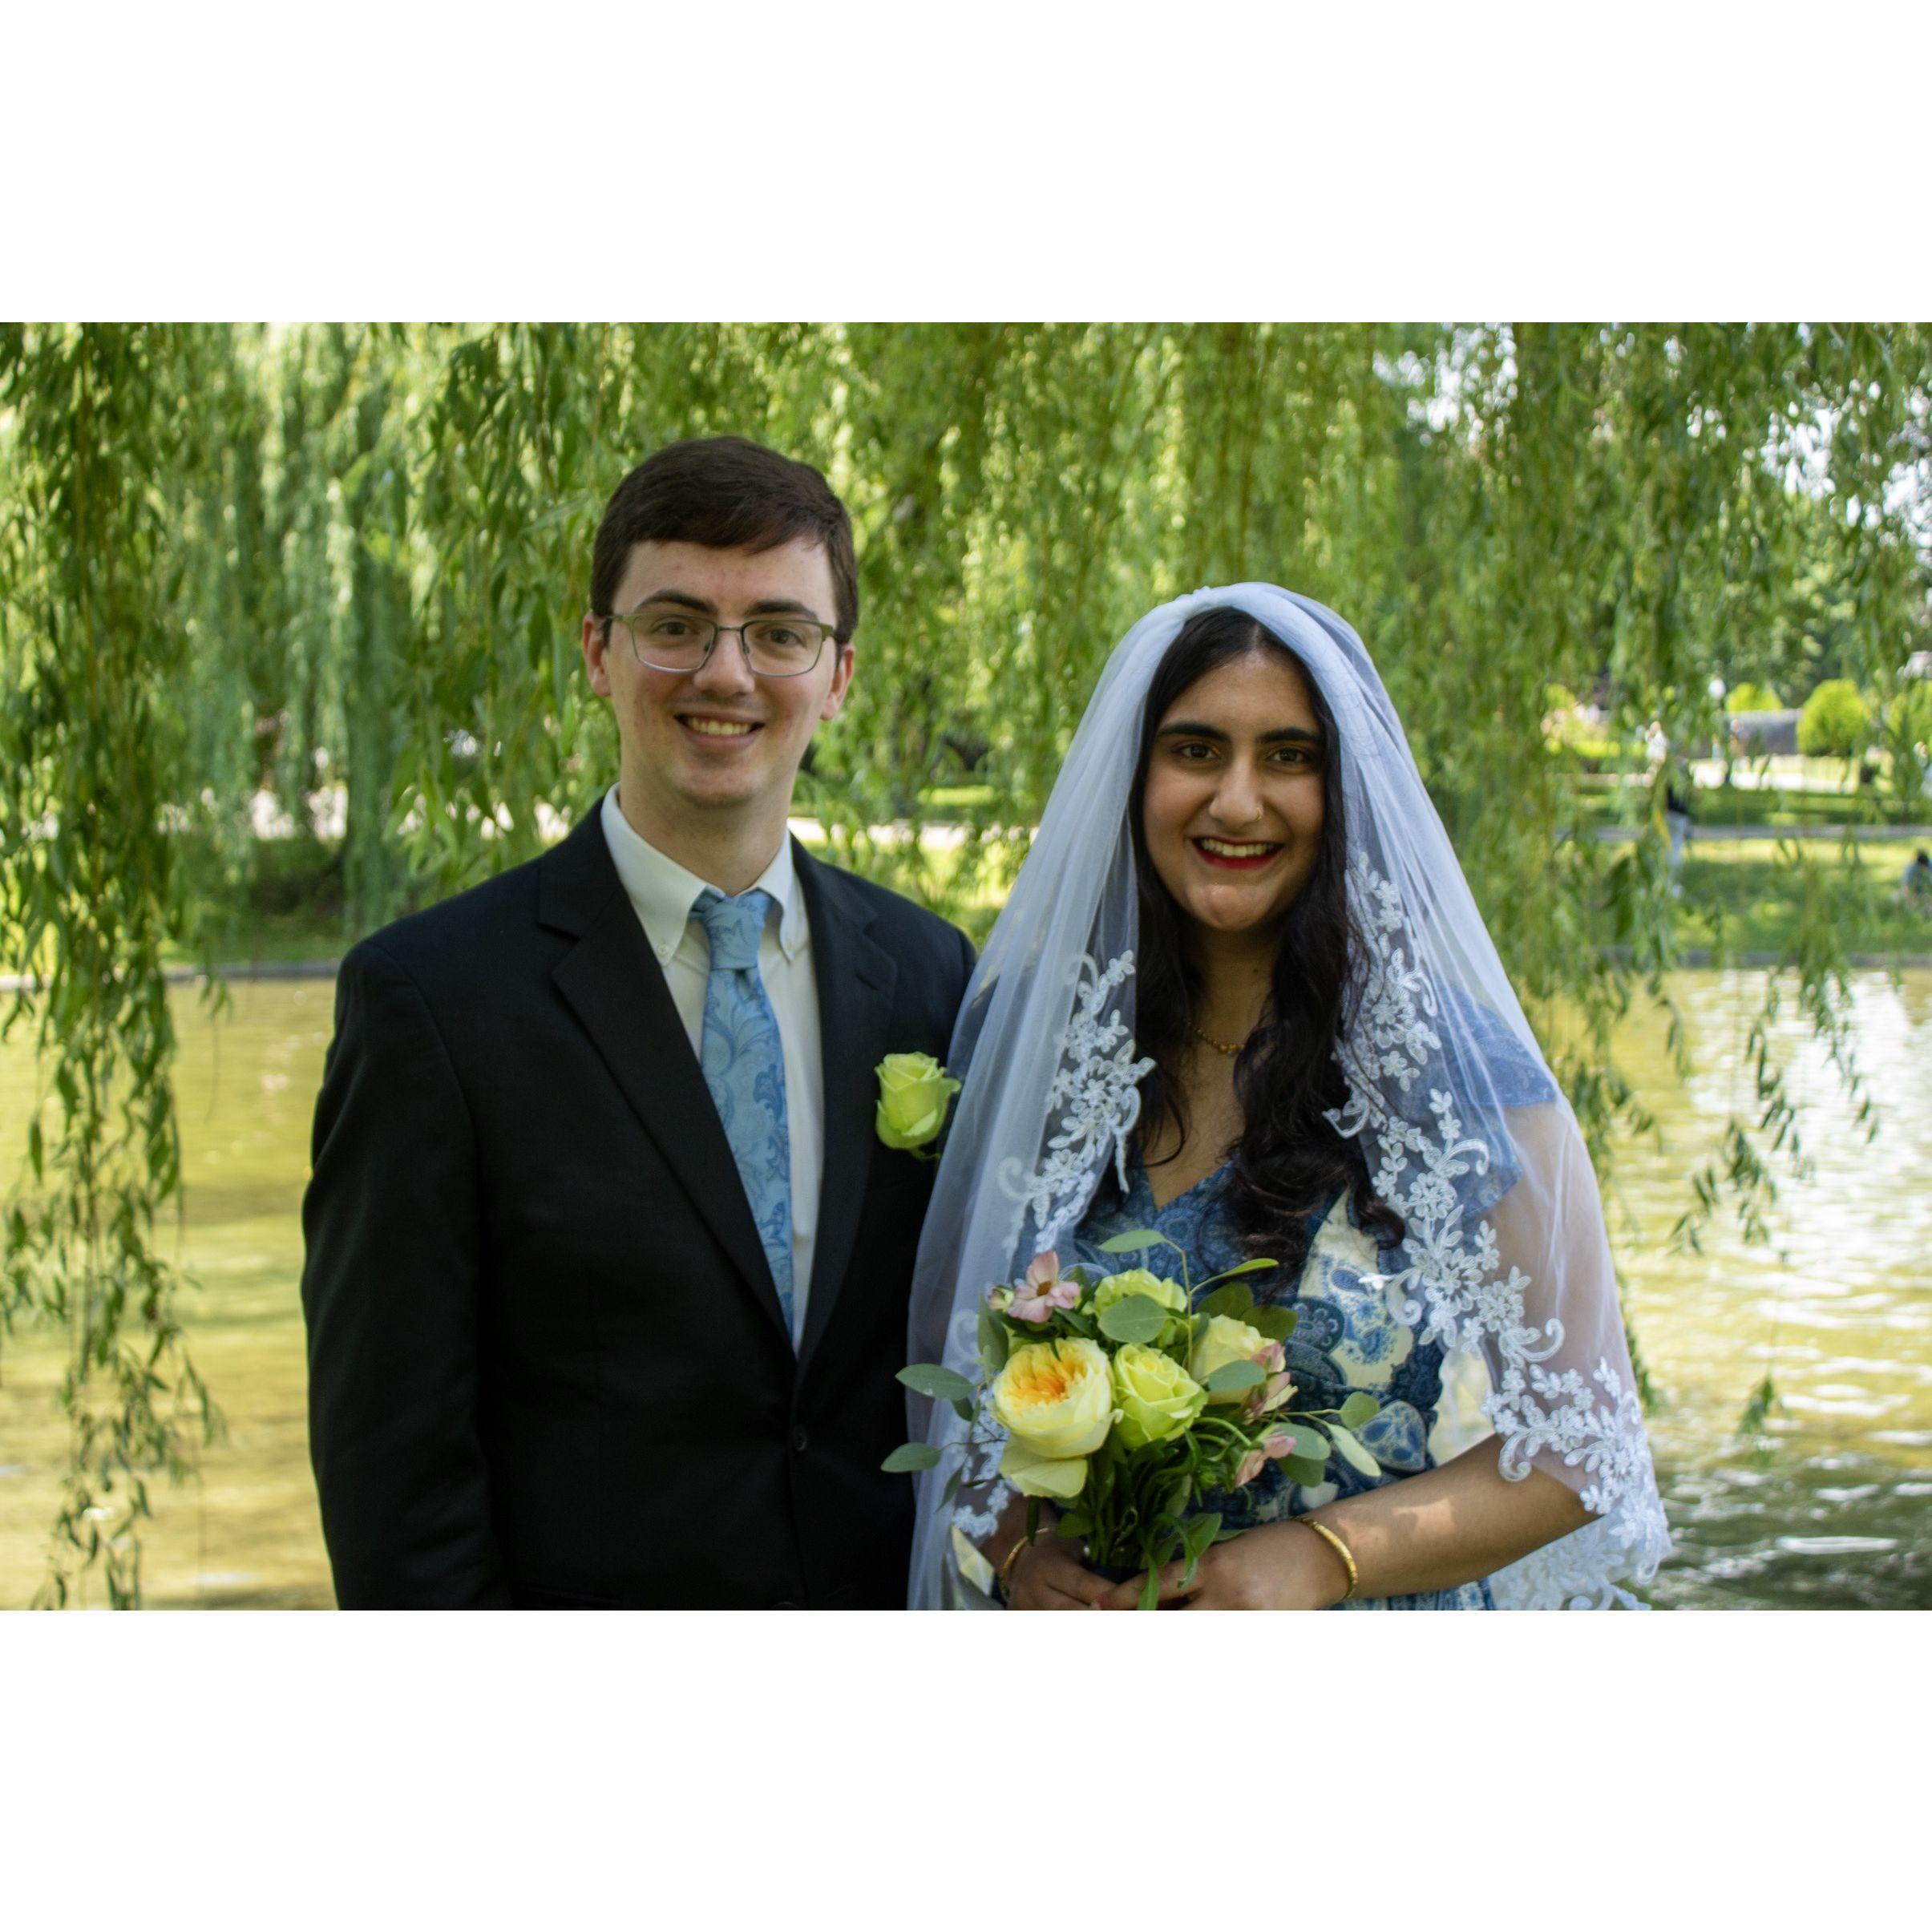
{"x":607,"y":1267}
{"x":1678,"y":789}
{"x":1915,"y":884}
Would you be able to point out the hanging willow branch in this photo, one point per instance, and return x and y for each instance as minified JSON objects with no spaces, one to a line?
{"x":91,"y":645}
{"x":343,"y":568}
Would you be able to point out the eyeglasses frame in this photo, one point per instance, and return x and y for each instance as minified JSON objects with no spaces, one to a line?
{"x":718,"y":630}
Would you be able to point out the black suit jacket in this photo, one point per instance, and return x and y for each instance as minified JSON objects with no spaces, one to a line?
{"x":546,"y":1361}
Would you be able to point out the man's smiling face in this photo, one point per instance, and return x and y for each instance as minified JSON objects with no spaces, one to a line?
{"x":715,"y":750}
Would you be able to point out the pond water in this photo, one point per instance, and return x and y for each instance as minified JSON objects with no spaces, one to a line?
{"x":1829,"y":1505}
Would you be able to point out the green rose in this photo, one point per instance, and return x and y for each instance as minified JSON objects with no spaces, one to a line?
{"x":1224,"y":1341}
{"x":914,"y":1090}
{"x":1170,"y":1295}
{"x":1157,"y":1398}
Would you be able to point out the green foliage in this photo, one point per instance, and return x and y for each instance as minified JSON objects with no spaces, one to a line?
{"x":1834,"y":720}
{"x":1749,"y":696}
{"x":92,"y":638}
{"x":335,"y":576}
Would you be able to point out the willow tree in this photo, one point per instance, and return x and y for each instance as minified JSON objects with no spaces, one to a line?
{"x":356,"y":569}
{"x":91,"y":641}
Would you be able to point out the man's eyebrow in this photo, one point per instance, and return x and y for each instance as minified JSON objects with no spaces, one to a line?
{"x":1289,"y":734}
{"x":679,"y":597}
{"x":766,"y":607}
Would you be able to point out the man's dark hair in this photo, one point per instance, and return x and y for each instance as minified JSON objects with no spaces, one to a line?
{"x":727,"y":494}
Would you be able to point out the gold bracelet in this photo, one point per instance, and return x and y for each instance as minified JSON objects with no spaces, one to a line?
{"x":1013,"y":1557}
{"x":1335,"y":1543}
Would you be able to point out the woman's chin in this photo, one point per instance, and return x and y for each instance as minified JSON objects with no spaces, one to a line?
{"x":1231,"y":912}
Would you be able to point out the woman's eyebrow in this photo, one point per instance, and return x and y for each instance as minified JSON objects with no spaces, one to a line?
{"x":1289,"y":734}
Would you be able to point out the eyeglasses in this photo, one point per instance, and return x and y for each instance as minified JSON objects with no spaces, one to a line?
{"x":665,"y":638}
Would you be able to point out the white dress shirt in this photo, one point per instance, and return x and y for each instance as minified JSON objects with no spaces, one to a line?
{"x":663,"y":893}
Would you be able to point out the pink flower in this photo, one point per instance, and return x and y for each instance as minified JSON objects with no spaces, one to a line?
{"x":1252,"y":1463}
{"x":1276,"y":1390}
{"x":999,"y":1299}
{"x":1048,"y":1291}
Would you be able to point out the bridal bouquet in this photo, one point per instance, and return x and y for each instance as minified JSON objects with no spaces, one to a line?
{"x":1127,"y":1405}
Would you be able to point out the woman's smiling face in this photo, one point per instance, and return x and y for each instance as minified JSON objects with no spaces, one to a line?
{"x":1233,"y":805}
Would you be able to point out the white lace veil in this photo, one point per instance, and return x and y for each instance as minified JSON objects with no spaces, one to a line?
{"x":1505,"y":1260}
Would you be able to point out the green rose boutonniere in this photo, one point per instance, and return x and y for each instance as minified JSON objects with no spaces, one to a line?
{"x":914,"y":1093}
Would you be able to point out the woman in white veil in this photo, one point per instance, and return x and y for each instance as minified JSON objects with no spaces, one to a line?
{"x":1240,"y":850}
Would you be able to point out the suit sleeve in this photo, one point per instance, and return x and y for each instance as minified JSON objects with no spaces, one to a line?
{"x":390,"y":1291}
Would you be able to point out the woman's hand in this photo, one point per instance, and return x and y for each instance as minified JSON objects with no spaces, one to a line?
{"x":1277,"y":1566}
{"x":1047,"y":1575}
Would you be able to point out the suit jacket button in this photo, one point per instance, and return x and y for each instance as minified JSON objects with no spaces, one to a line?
{"x":785,"y":1603}
{"x":800,"y":1441}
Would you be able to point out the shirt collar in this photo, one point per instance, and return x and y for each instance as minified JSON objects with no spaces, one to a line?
{"x":664,"y":893}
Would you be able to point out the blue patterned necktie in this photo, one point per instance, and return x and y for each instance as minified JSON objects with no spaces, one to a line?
{"x":744,"y":1063}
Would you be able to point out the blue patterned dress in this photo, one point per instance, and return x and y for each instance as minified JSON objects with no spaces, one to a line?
{"x":1345,"y":1340}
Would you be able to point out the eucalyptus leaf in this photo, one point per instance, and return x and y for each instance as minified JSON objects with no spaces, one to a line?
{"x":1133,"y":1241}
{"x":911,"y":1455}
{"x":1359,"y":1408}
{"x":942,"y":1384}
{"x":1353,"y":1451}
{"x":1234,"y":1300}
{"x":1232,"y":1376}
{"x":1307,"y":1474}
{"x":1277,"y":1324}
{"x":1136,"y":1318}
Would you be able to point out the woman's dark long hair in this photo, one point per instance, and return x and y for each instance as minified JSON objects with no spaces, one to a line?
{"x":1290,"y":1160}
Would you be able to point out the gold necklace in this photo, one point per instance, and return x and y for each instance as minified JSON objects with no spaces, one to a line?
{"x":1220,"y":1046}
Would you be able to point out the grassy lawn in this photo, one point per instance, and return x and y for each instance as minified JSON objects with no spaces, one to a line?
{"x":1741,"y":894}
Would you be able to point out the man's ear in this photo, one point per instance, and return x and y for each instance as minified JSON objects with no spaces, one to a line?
{"x":842,"y":679}
{"x":595,"y":644}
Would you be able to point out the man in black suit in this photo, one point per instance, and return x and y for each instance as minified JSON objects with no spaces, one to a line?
{"x":570,"y":1343}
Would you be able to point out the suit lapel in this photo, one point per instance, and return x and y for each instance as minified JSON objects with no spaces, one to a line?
{"x":613,"y":984}
{"x":855,"y":980}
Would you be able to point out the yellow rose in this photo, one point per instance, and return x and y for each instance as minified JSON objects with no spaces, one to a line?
{"x":914,"y":1090}
{"x":1056,"y":1397}
{"x":1157,"y":1397}
{"x":1224,"y":1341}
{"x":1170,"y":1295}
{"x":1062,"y":1478}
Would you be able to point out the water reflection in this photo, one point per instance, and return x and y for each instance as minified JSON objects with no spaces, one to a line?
{"x":1829,"y":1507}
{"x":1837,"y":1305}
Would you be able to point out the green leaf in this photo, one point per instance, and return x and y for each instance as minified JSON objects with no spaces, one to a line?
{"x":1300,"y":1470}
{"x":993,"y":1342}
{"x":1075,"y":1523}
{"x":941,"y":1383}
{"x":1246,"y":1267}
{"x":1359,"y":1408}
{"x":952,"y":1486}
{"x":1234,"y":1301}
{"x":1277,"y":1324}
{"x":1352,"y":1451}
{"x":1151,"y":1590}
{"x":1130,"y":1243}
{"x":1310,"y":1444}
{"x":962,"y":1409}
{"x":1231,"y":1376}
{"x":1138,"y":1318}
{"x":910,"y":1456}
{"x":1197,"y":1535}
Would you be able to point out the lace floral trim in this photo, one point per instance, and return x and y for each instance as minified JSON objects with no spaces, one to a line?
{"x":1091,"y":1107}
{"x":1454,"y":1290}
